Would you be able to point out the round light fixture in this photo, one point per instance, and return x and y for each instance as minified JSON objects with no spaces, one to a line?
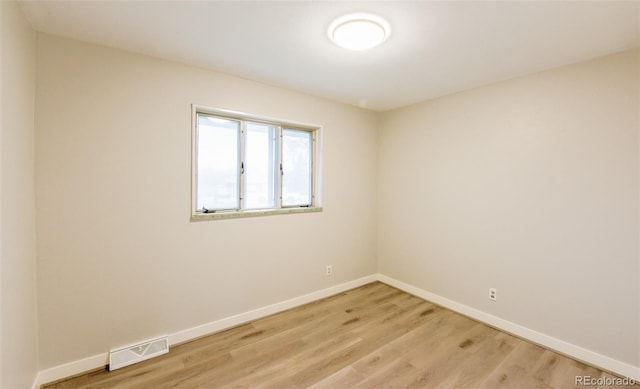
{"x":359,"y":31}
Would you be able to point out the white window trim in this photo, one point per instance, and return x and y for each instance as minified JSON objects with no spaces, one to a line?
{"x":315,"y":175}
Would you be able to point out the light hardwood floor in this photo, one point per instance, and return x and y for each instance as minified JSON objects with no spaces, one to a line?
{"x":374,"y":336}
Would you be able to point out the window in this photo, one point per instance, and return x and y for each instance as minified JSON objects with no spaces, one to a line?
{"x":248,"y":166}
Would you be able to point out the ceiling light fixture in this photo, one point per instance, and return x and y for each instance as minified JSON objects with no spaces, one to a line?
{"x":359,"y":31}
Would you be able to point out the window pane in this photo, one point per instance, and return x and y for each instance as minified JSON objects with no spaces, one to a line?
{"x":217,"y":169}
{"x":296,"y":166}
{"x":260,"y":165}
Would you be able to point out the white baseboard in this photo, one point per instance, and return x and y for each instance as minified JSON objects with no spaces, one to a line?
{"x":572,"y":350}
{"x":69,"y":369}
{"x":219,"y":325}
{"x":97,"y":361}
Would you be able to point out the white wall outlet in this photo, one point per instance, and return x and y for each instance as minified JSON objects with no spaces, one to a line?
{"x":493,"y":294}
{"x":329,"y":270}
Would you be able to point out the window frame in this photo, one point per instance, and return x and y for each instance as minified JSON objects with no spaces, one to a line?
{"x":281,"y":125}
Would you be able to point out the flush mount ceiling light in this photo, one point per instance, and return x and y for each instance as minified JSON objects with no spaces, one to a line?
{"x":359,"y":31}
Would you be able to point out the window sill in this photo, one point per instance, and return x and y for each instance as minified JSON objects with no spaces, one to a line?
{"x":252,"y":213}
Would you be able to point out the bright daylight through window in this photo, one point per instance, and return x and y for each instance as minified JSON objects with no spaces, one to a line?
{"x":247,"y":166}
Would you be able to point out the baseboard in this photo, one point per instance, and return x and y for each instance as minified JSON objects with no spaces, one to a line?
{"x":587,"y":356}
{"x":218,"y":325}
{"x":598,"y":360}
{"x":70,"y":369}
{"x":97,"y":361}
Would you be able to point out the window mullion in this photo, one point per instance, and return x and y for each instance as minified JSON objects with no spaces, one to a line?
{"x":194,"y":163}
{"x":312,"y":173}
{"x":279,"y":169}
{"x":241,"y":166}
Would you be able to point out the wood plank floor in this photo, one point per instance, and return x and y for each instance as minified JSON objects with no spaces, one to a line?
{"x":374,"y":336}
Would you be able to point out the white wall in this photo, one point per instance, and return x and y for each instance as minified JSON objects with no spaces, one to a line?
{"x":118,"y":259}
{"x":529,"y":186}
{"x":18,"y":336}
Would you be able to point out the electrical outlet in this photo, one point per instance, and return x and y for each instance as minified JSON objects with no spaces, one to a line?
{"x":493,"y":294}
{"x":329,"y":270}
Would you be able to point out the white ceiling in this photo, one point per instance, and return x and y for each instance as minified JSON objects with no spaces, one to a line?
{"x":436,"y":47}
